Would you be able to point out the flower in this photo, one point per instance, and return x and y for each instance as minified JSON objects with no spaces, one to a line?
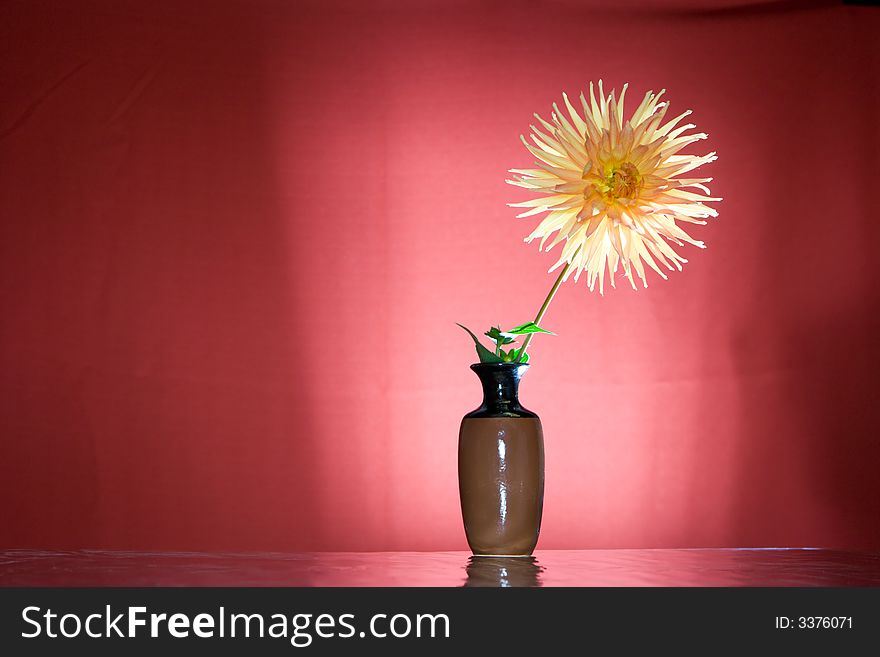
{"x":612,"y":187}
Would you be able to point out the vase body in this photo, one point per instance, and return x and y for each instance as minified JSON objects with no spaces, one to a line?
{"x":501,"y":467}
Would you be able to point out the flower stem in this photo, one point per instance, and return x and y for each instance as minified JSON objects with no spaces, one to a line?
{"x":545,"y":305}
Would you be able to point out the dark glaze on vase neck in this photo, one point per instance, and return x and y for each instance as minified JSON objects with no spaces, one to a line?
{"x":500,"y":383}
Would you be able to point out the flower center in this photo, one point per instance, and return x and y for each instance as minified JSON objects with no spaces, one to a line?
{"x":623,"y":182}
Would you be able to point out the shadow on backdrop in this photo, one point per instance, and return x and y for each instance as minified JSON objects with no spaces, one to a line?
{"x":150,"y":388}
{"x":806,"y":351}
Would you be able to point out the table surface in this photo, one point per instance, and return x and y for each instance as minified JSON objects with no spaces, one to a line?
{"x":693,"y":567}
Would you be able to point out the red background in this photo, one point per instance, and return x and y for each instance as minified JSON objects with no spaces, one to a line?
{"x":235,"y":237}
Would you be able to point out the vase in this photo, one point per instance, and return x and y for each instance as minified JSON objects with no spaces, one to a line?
{"x":501,"y":467}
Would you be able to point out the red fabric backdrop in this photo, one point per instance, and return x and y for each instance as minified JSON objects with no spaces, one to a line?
{"x":235,"y":237}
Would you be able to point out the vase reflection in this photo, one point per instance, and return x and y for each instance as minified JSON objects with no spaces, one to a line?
{"x":503,"y":571}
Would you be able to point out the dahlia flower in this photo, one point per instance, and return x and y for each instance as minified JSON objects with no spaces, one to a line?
{"x":613,"y":188}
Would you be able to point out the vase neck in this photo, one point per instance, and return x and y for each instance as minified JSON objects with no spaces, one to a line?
{"x":500,"y":383}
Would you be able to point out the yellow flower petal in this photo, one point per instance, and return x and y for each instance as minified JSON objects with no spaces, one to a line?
{"x":611,"y":186}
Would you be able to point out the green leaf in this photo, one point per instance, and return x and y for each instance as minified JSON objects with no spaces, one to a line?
{"x":497,"y":336}
{"x":510,"y":356}
{"x":528,"y":327}
{"x":515,"y":356}
{"x":484,"y":354}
